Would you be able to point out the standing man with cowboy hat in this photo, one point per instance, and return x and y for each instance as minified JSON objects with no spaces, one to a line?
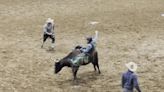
{"x":48,"y":32}
{"x":129,"y":78}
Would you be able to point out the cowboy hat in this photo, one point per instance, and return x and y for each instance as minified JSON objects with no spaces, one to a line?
{"x":131,"y":66}
{"x":49,"y":20}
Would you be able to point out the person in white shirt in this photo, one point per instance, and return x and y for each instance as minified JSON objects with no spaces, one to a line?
{"x":48,"y":32}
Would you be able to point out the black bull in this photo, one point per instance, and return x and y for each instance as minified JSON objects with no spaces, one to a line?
{"x":66,"y":61}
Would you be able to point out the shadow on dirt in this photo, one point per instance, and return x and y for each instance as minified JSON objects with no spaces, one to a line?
{"x":50,"y":50}
{"x":83,"y":79}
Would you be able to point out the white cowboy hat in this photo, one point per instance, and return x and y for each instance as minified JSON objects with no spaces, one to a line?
{"x":131,"y":66}
{"x":49,"y":20}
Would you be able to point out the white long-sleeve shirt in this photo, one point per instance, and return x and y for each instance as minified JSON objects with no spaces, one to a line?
{"x":48,"y":30}
{"x":94,"y":39}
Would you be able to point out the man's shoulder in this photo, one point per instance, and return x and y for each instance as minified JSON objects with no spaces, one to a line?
{"x":134,"y":73}
{"x":124,"y":73}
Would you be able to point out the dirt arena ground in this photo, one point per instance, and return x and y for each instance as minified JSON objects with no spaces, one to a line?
{"x":129,"y":30}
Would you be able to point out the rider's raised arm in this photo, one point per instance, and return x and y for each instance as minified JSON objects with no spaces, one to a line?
{"x":95,"y":37}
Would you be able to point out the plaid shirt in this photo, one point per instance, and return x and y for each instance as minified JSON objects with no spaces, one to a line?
{"x":129,"y":80}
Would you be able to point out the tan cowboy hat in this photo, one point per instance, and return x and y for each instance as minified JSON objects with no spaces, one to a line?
{"x":131,"y":66}
{"x":49,"y":20}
